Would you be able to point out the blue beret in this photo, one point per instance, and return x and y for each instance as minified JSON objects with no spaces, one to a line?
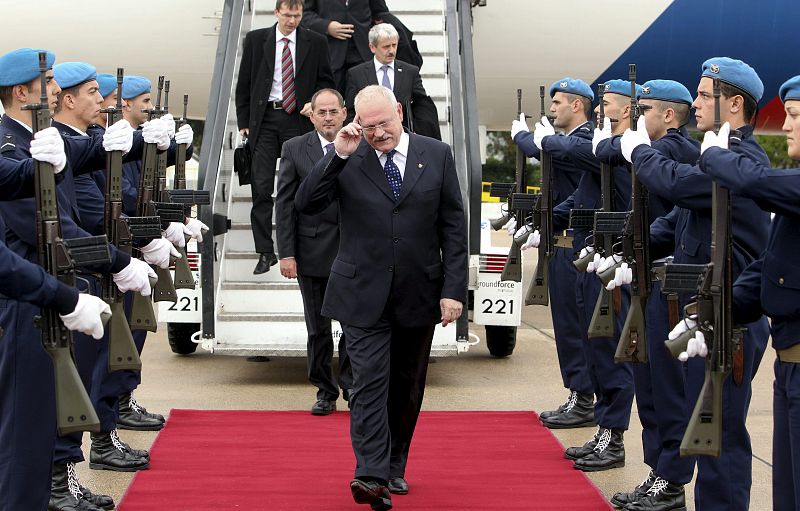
{"x":622,"y":87}
{"x":665,"y":90}
{"x":790,"y":89}
{"x":736,"y":73}
{"x":22,"y":66}
{"x":107,"y":83}
{"x":572,"y":86}
{"x":70,"y":74}
{"x":133,"y":86}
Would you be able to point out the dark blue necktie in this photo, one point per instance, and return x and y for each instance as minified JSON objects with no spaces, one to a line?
{"x":328,"y":147}
{"x":393,"y":174}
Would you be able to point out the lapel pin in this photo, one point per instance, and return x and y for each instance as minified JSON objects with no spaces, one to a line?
{"x":419,"y":165}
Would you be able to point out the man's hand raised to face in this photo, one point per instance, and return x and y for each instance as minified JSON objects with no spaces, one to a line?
{"x":348,"y":138}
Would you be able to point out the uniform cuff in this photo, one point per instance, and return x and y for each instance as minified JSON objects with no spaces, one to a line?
{"x":65,"y":299}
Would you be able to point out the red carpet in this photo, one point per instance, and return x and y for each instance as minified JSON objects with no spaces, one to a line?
{"x":274,"y":461}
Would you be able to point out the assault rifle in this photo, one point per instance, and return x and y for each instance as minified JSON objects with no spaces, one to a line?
{"x":59,"y":257}
{"x":502,"y":191}
{"x":513,"y":267}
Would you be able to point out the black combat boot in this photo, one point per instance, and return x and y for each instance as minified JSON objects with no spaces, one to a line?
{"x":608,"y":453}
{"x":574,"y":453}
{"x":139,"y":453}
{"x":662,"y":496}
{"x":103,"y":501}
{"x":108,"y":453}
{"x":549,"y":413}
{"x":65,"y":491}
{"x":622,"y":499}
{"x":134,"y":416}
{"x":579,"y":413}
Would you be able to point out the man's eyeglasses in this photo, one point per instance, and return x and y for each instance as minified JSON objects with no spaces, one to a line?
{"x":371,"y":129}
{"x":325,"y":113}
{"x":288,"y":16}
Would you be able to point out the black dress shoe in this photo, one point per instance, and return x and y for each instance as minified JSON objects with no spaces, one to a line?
{"x":371,"y":492}
{"x":662,"y":496}
{"x":398,"y":485}
{"x":607,"y":454}
{"x":65,"y":494}
{"x":265,"y":260}
{"x":134,"y":417}
{"x":101,"y":501}
{"x":346,"y":394}
{"x":574,"y":453}
{"x":579,"y":413}
{"x":622,"y":499}
{"x":108,"y":453}
{"x":323,"y":407}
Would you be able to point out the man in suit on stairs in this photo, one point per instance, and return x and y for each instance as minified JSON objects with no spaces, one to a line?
{"x":401,"y":268}
{"x":282,"y":67}
{"x":307,"y":245}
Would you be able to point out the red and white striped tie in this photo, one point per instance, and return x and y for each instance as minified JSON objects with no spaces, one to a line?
{"x":287,"y":79}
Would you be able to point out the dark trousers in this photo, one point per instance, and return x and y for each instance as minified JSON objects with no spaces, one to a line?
{"x":566,"y":323}
{"x":353,"y":58}
{"x":613,"y":383}
{"x":390,"y":364}
{"x":786,"y":437}
{"x":320,"y":342}
{"x":661,"y":397}
{"x":27,"y":411}
{"x":276,"y":128}
{"x":724,"y":482}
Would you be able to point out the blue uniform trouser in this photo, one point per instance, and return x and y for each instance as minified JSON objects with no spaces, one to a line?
{"x":567,"y":324}
{"x":724,"y":483}
{"x":27,"y":411}
{"x":613,"y":383}
{"x":661,"y":397}
{"x":68,"y":448}
{"x":786,"y":437}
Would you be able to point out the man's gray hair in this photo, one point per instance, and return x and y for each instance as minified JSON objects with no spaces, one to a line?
{"x":382,"y":31}
{"x":375,"y":92}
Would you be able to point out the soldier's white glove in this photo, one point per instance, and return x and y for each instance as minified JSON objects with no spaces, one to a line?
{"x":196,"y":228}
{"x":533,"y":240}
{"x":185,"y":135}
{"x":585,"y":251}
{"x":601,"y":134}
{"x":632,"y":139}
{"x":518,"y":126}
{"x":712,"y":139}
{"x":155,"y":132}
{"x":118,"y":137}
{"x":511,"y":226}
{"x":622,"y":275}
{"x":696,"y":345}
{"x":158,"y":252}
{"x":135,"y":277}
{"x":543,"y":129}
{"x":176,"y":233}
{"x":48,"y":146}
{"x":169,"y":124}
{"x":594,"y":263}
{"x":522,"y":233}
{"x":86,"y":318}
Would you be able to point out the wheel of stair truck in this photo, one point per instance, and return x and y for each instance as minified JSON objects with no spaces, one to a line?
{"x":180,"y":337}
{"x":501,"y":340}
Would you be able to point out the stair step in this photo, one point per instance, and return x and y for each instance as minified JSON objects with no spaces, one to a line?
{"x":243,"y":285}
{"x":262,"y":317}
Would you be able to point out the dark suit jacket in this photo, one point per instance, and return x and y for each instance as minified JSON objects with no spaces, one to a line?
{"x":318,"y":14}
{"x":313,"y":72}
{"x":409,"y":253}
{"x":311,"y":239}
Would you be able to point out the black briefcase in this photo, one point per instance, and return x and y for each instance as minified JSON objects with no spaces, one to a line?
{"x":242,"y":161}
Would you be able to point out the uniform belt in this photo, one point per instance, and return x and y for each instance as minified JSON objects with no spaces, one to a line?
{"x":791,"y":354}
{"x":275,"y":105}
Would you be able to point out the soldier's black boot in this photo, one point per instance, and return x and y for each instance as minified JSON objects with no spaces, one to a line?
{"x":579,"y":413}
{"x":65,"y":491}
{"x":139,"y":453}
{"x":607,"y":454}
{"x":108,"y":453}
{"x":134,"y":416}
{"x":662,"y":496}
{"x":549,"y":413}
{"x":99,"y":500}
{"x":622,"y":499}
{"x":574,"y":453}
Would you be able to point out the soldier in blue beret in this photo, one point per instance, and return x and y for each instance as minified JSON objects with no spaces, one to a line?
{"x":770,"y":284}
{"x":724,"y":482}
{"x":571,"y":107}
{"x":108,"y":85}
{"x":659,"y":383}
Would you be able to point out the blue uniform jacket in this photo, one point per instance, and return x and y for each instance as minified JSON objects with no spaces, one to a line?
{"x":771,"y":283}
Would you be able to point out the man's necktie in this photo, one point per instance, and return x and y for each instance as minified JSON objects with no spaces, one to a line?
{"x":287,"y":78}
{"x":386,"y":83}
{"x":328,"y":147}
{"x":393,"y":174}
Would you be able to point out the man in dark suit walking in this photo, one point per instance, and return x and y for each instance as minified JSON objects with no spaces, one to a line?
{"x":401,"y":268}
{"x":282,"y":66}
{"x":307,"y":245}
{"x":401,"y":77}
